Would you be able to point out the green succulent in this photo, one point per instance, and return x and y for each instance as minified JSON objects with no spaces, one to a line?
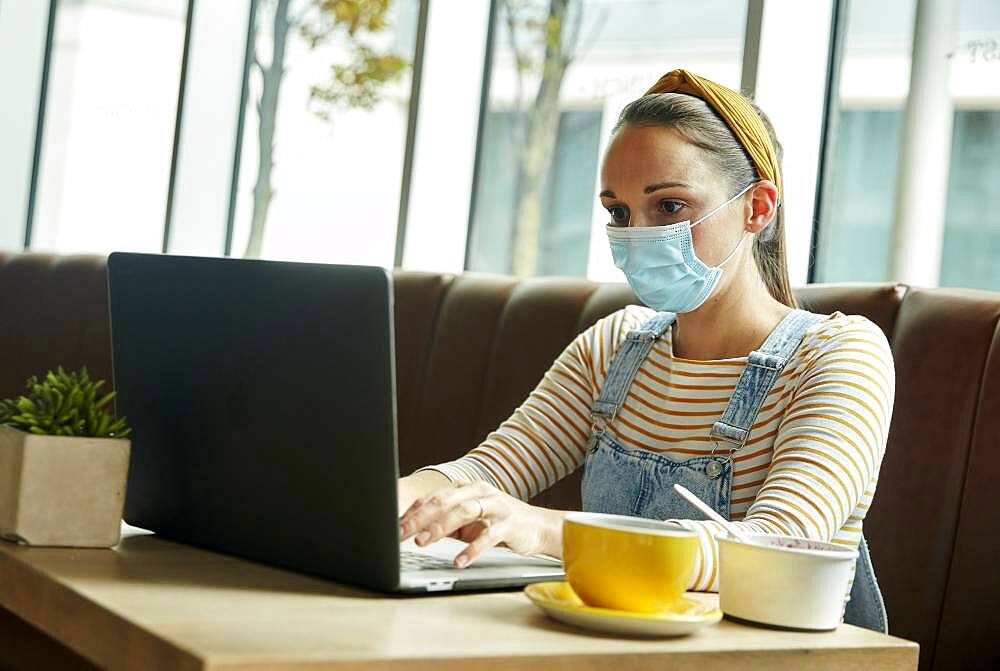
{"x":64,"y":404}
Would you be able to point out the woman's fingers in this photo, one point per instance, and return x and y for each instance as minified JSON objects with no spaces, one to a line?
{"x":422,"y":512}
{"x":460,"y":514}
{"x":477,"y":513}
{"x":442,"y":513}
{"x":489,"y":538}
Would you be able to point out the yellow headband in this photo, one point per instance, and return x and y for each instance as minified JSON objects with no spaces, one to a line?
{"x":738,"y":114}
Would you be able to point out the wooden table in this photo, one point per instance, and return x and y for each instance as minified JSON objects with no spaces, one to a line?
{"x":153,"y":604}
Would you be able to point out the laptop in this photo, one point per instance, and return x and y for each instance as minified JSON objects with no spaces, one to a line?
{"x":262,"y":402}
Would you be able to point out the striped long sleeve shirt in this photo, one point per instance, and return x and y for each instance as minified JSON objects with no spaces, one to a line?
{"x":809,"y":466}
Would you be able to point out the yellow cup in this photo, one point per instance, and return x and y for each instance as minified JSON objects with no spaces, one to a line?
{"x":627,"y":563}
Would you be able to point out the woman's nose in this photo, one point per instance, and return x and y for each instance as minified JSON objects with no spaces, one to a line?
{"x":639,"y":219}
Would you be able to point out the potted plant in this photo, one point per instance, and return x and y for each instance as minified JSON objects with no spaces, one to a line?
{"x":63,"y":463}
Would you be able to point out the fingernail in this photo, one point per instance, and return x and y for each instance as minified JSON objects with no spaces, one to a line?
{"x":461,"y":561}
{"x":423,"y":536}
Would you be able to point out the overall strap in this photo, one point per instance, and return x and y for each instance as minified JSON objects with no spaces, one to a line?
{"x":624,"y":366}
{"x":763,"y":367}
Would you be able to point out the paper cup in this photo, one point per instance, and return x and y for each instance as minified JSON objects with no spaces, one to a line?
{"x":784,"y":581}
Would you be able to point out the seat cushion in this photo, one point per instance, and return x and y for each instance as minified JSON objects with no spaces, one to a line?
{"x":878,"y":302}
{"x":55,"y":313}
{"x":941,"y":342}
{"x":470,"y":347}
{"x":444,"y":404}
{"x":969,"y":631}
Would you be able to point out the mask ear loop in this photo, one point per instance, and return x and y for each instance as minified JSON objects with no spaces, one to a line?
{"x":742,"y":237}
{"x":735,"y":249}
{"x":745,"y":189}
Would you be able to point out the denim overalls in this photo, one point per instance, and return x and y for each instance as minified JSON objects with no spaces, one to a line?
{"x":626,"y":481}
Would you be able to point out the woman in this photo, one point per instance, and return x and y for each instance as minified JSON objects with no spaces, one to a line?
{"x":777,"y":417}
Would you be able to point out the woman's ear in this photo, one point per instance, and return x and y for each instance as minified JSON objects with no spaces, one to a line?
{"x":763,"y":206}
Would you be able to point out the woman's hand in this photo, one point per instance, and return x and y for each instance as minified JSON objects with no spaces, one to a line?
{"x":481,"y":515}
{"x":415,"y":485}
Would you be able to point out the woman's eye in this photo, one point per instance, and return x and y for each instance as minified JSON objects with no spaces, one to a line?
{"x":669,"y":206}
{"x":619,"y":215}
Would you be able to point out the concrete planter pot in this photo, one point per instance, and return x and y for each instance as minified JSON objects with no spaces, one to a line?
{"x":62,"y":491}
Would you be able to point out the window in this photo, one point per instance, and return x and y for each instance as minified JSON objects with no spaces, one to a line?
{"x":435,"y":207}
{"x":109,"y":125}
{"x":972,"y":220}
{"x":861,"y":180}
{"x":324,"y":132}
{"x":316,"y":158}
{"x":564,"y":220}
{"x":860,"y":205}
{"x":23,"y":30}
{"x":860,"y":196}
{"x":210,"y":111}
{"x":550,"y":113}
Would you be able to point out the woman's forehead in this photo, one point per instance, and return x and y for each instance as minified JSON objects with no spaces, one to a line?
{"x":640,"y":154}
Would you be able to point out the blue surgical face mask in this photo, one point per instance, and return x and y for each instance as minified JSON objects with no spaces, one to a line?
{"x":660,"y":264}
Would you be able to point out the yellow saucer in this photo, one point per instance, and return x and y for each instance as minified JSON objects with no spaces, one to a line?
{"x":559,"y":601}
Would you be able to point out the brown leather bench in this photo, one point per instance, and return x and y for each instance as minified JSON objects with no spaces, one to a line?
{"x":470,"y":348}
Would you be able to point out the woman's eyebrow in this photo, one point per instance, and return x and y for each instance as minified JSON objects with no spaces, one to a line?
{"x":649,"y":189}
{"x":662,"y":185}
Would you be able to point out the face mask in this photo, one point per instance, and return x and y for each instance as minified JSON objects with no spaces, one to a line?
{"x":660,"y":264}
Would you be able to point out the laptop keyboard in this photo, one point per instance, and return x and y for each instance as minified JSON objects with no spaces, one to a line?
{"x":413,"y":561}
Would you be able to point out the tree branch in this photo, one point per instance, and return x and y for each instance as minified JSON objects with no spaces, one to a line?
{"x":512,"y":38}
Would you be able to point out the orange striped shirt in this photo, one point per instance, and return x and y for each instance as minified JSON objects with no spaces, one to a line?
{"x":808,"y":469}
